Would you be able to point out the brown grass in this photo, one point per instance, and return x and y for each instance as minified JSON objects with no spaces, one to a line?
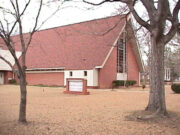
{"x":103,"y":112}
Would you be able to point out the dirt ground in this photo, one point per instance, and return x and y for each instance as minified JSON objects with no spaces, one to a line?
{"x":103,"y":112}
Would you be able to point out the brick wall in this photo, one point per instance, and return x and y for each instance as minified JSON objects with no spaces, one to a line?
{"x":133,"y":70}
{"x":109,"y":72}
{"x":56,"y":78}
{"x":8,"y":74}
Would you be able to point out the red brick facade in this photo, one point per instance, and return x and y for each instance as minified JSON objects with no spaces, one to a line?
{"x":74,"y":50}
{"x":55,"y":78}
{"x":109,"y":72}
{"x":7,"y":75}
{"x":133,"y":70}
{"x":105,"y":75}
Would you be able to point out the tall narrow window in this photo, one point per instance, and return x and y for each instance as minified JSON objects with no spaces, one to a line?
{"x":70,"y":73}
{"x":122,"y":54}
{"x":85,"y":73}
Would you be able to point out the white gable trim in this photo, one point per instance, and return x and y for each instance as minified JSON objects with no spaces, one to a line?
{"x":114,"y":44}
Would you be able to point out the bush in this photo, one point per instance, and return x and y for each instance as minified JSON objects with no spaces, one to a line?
{"x":12,"y":81}
{"x":175,"y":88}
{"x":123,"y":83}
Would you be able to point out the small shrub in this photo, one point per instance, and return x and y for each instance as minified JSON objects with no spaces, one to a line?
{"x":175,"y":88}
{"x":123,"y":83}
{"x":12,"y":81}
{"x":143,"y":86}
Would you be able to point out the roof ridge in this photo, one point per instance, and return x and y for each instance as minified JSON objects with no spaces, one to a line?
{"x":107,"y":17}
{"x":66,"y":25}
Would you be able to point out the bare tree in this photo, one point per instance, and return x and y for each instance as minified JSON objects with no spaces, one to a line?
{"x":11,"y":24}
{"x":159,"y":13}
{"x":6,"y":31}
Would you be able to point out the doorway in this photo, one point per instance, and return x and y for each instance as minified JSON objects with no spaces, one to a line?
{"x":1,"y":78}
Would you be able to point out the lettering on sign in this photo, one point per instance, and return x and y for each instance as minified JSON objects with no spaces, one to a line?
{"x":76,"y":85}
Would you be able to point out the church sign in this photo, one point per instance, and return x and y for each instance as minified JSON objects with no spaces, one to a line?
{"x":76,"y":86}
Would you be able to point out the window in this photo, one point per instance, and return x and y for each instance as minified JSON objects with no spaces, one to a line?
{"x":70,"y":73}
{"x":122,"y":54}
{"x":85,"y":73}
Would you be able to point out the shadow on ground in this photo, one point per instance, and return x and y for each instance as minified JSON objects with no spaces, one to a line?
{"x":171,"y":121}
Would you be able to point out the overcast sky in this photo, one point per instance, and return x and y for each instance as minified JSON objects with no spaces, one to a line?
{"x":73,"y":12}
{"x":68,"y":13}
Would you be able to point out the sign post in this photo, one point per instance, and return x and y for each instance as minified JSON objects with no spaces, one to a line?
{"x":76,"y":86}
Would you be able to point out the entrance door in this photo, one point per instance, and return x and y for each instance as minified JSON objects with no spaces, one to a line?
{"x":1,"y":78}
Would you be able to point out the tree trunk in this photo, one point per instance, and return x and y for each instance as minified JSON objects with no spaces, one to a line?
{"x":157,"y":91}
{"x":22,"y":111}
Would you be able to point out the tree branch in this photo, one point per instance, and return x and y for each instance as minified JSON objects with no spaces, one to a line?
{"x":19,"y":16}
{"x":175,"y":24}
{"x":102,"y":2}
{"x":130,"y":4}
{"x":14,"y":7}
{"x":35,"y":26}
{"x":149,"y":5}
{"x":138,"y":18}
{"x":6,"y":61}
{"x":176,"y":11}
{"x":7,"y":41}
{"x":2,"y":31}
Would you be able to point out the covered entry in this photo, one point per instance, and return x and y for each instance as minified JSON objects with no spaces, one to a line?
{"x":5,"y":69}
{"x":1,"y":77}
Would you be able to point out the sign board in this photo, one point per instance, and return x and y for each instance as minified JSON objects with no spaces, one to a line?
{"x":76,"y":86}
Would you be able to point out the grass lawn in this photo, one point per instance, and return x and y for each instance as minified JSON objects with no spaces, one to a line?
{"x":103,"y":112}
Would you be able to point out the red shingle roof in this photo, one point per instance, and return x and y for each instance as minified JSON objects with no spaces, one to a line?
{"x":76,"y":46}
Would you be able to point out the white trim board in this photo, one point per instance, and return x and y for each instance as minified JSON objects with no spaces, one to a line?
{"x":114,"y":44}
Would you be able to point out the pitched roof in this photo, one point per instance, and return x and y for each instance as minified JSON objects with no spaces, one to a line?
{"x":78,"y":46}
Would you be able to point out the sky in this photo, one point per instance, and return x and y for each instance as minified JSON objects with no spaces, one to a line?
{"x":67,"y":13}
{"x":74,"y":12}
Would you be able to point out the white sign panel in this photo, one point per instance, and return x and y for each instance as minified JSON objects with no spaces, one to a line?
{"x":76,"y":85}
